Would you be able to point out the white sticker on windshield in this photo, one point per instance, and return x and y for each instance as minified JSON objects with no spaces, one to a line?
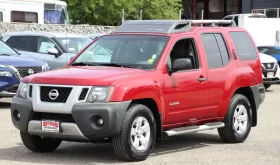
{"x":71,"y":49}
{"x":154,"y":56}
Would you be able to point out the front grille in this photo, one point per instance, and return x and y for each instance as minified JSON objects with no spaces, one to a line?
{"x":268,"y":66}
{"x":53,"y":116}
{"x":83,"y":94}
{"x":63,"y":94}
{"x":26,"y":71}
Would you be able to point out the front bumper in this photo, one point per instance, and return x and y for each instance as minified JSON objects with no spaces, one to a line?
{"x":10,"y":91}
{"x":275,"y":80}
{"x":81,"y":124}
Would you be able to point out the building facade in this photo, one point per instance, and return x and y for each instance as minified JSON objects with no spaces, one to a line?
{"x":217,"y":9}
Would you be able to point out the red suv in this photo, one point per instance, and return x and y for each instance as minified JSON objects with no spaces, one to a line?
{"x":147,"y":80}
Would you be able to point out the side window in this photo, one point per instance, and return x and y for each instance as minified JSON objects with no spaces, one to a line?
{"x":236,"y":20}
{"x":185,"y":48}
{"x":12,"y":41}
{"x":244,"y":45}
{"x":223,"y":48}
{"x":27,"y":43}
{"x":28,"y":17}
{"x":212,"y":50}
{"x":44,"y":44}
{"x":1,"y":16}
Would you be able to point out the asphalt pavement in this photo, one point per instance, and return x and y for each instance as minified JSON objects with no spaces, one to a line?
{"x":203,"y":148}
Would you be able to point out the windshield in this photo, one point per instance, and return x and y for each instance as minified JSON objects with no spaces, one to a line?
{"x":136,"y":51}
{"x":73,"y":45}
{"x":5,"y":49}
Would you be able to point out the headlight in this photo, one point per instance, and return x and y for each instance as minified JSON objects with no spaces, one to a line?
{"x":22,"y":90}
{"x":45,"y":67}
{"x":6,"y":74}
{"x":100,"y":94}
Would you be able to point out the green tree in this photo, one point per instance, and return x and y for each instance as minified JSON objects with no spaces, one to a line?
{"x":109,"y":12}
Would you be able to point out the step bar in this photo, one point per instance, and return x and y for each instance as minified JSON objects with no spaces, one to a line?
{"x":190,"y":129}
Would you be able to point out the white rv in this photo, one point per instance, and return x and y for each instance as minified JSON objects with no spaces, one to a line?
{"x":34,"y":11}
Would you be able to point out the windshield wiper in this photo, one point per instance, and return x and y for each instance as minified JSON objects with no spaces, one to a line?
{"x":84,"y":64}
{"x":4,"y":54}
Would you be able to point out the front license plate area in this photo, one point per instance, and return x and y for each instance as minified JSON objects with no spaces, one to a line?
{"x":50,"y":126}
{"x":270,"y":75}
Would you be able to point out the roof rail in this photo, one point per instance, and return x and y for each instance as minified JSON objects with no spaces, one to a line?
{"x":167,"y":26}
{"x":214,"y":22}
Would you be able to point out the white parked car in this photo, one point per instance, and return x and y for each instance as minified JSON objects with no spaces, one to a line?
{"x":270,"y":69}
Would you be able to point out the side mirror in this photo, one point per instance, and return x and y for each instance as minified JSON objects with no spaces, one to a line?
{"x":53,"y":51}
{"x":181,"y":64}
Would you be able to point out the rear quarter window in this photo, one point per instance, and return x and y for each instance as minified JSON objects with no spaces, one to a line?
{"x":244,"y":46}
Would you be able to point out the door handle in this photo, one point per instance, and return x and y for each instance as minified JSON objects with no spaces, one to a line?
{"x":201,"y":79}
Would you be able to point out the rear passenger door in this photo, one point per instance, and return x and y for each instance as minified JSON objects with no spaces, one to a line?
{"x":220,"y":68}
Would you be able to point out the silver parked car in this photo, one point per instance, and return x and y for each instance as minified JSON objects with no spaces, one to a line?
{"x":56,"y":49}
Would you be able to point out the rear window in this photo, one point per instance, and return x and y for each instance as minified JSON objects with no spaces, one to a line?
{"x":244,"y":46}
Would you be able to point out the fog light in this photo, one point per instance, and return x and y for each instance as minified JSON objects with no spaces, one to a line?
{"x":100,"y":122}
{"x":91,"y":98}
{"x":16,"y":115}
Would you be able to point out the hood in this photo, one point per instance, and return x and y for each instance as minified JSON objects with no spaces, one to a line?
{"x":18,"y":61}
{"x":267,"y":58}
{"x":84,"y":76}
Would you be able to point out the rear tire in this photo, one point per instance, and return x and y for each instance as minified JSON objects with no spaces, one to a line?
{"x":138,"y":134}
{"x":238,"y":120}
{"x":37,"y":144}
{"x":266,"y":86}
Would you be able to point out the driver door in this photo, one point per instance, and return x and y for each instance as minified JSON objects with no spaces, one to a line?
{"x":186,"y":91}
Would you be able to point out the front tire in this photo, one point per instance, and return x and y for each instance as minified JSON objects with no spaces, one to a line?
{"x":37,"y":144}
{"x":238,"y":120}
{"x":138,"y":134}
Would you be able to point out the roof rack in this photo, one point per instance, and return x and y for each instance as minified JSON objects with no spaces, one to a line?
{"x":168,"y":26}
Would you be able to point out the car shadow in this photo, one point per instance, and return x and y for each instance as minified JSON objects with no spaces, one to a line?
{"x":4,"y":105}
{"x":84,"y":153}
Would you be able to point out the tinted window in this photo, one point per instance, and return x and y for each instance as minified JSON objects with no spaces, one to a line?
{"x":185,"y":48}
{"x":12,"y":41}
{"x":228,"y":18}
{"x":29,"y":17}
{"x":27,"y":43}
{"x":244,"y":45}
{"x":272,"y":51}
{"x":1,"y":16}
{"x":223,"y":48}
{"x":212,"y":50}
